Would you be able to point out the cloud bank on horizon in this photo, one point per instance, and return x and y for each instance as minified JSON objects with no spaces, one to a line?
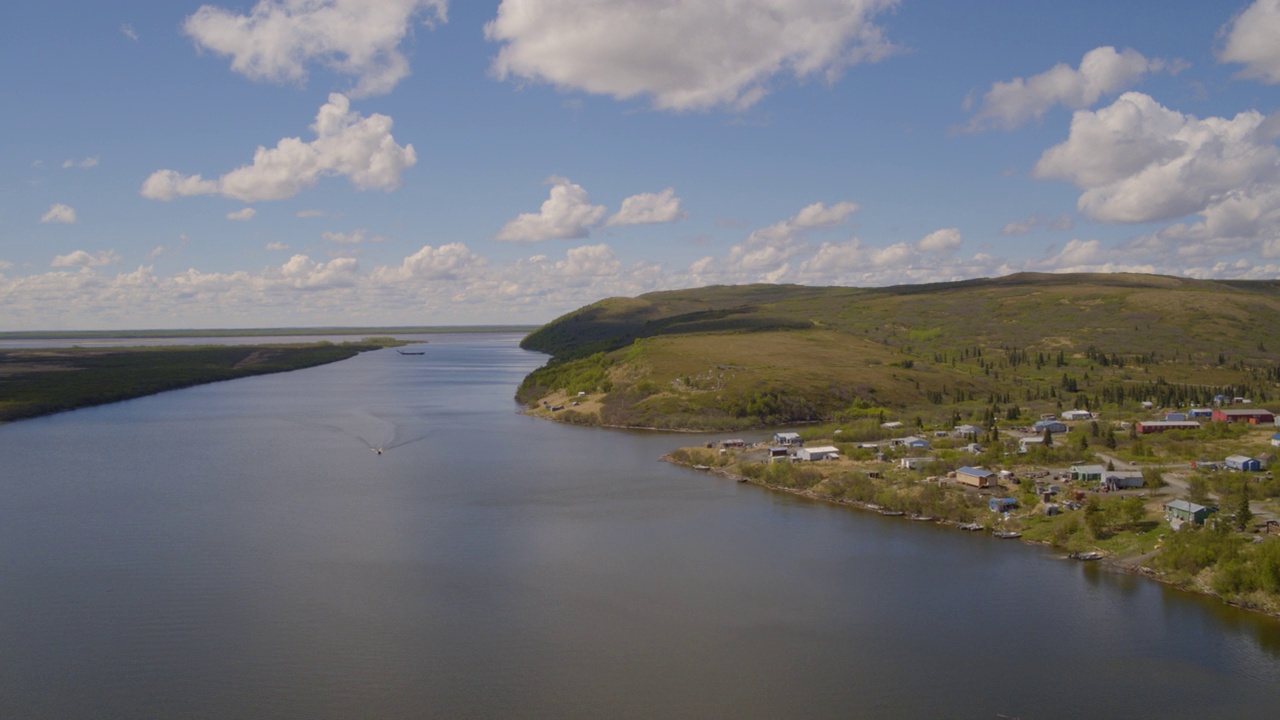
{"x":548,"y":153}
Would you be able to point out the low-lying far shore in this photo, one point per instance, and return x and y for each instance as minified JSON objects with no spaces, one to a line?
{"x":43,"y":381}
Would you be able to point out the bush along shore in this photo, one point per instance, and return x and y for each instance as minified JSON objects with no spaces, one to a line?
{"x":35,"y":382}
{"x":1050,"y":496}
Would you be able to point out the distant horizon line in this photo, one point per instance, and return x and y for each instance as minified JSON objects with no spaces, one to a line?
{"x":234,"y":332}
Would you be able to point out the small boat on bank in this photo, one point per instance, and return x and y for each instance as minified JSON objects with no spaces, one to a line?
{"x":1007,"y":534}
{"x":1085,"y":556}
{"x":892,"y":513}
{"x":971,"y":527}
{"x":411,"y":352}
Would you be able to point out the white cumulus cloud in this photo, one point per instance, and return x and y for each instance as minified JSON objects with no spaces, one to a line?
{"x":242,"y":215}
{"x":684,"y":54}
{"x":940,"y":241}
{"x":648,"y":208}
{"x":1138,"y":161}
{"x":355,"y":237}
{"x":766,"y":253}
{"x":1253,"y":40}
{"x":81,"y":258}
{"x":452,"y":261}
{"x":59,"y":213}
{"x":1102,"y":71}
{"x":566,"y":214}
{"x":359,"y":148}
{"x":278,"y":39}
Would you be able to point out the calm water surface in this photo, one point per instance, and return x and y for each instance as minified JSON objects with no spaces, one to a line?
{"x":237,"y":550}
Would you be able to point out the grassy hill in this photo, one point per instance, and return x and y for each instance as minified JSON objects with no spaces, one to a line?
{"x":743,"y":356}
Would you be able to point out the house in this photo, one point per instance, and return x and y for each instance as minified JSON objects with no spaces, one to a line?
{"x":777,"y":454}
{"x":1122,"y":481}
{"x":1002,"y":504}
{"x":1242,"y":462}
{"x":966,"y":430}
{"x":975,"y":477}
{"x":824,"y":452}
{"x":1024,"y":443}
{"x":1253,"y":417}
{"x":915,"y":463}
{"x":1175,"y":416}
{"x":1146,"y":427}
{"x":1275,"y":439}
{"x":733,"y":443}
{"x":1087,"y":473}
{"x":1200,"y":413}
{"x":974,"y":448}
{"x":910,"y":441}
{"x":1266,"y":460}
{"x":1077,"y":415}
{"x":786,"y":438}
{"x":1178,"y":512}
{"x":1052,"y":426}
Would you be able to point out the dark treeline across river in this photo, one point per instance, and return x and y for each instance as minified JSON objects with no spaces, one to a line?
{"x":237,"y":550}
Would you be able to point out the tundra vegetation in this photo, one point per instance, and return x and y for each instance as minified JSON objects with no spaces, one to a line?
{"x":840,"y":363}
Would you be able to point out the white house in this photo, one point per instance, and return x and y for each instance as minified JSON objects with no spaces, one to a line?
{"x":1026,"y":442}
{"x":824,"y":452}
{"x":786,"y":438}
{"x":1077,"y":415}
{"x":1275,"y":439}
{"x":966,"y":430}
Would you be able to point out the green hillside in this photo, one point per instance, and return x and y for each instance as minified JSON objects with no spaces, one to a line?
{"x":743,"y":356}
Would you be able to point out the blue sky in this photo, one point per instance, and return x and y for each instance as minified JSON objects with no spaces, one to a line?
{"x":426,"y":162}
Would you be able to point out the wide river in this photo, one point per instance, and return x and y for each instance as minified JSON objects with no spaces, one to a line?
{"x":237,"y":550}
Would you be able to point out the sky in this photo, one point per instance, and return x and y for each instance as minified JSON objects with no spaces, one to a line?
{"x":301,"y":163}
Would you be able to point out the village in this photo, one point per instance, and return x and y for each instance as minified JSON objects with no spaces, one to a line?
{"x":1096,"y":488}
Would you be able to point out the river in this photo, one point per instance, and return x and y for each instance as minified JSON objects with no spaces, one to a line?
{"x":238,"y":550}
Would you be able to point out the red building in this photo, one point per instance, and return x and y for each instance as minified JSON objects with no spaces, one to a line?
{"x":1253,"y":417}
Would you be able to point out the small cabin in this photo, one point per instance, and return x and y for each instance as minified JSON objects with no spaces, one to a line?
{"x":975,"y":477}
{"x":1178,"y":512}
{"x":1002,"y":504}
{"x":1243,"y":463}
{"x":1088,"y":473}
{"x":824,"y":452}
{"x":786,"y":438}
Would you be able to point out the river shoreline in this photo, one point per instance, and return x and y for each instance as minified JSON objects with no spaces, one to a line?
{"x":1112,"y":563}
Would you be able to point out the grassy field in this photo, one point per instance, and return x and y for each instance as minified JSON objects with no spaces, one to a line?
{"x":40,"y":382}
